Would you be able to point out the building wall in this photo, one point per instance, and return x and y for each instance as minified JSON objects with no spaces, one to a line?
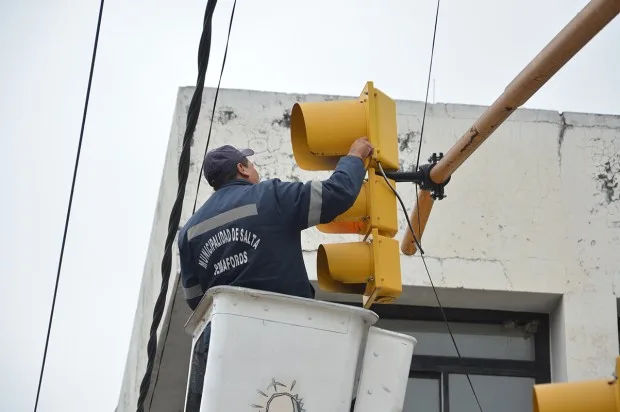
{"x":531,"y":223}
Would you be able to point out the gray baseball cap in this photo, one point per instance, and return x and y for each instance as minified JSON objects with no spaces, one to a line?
{"x":219,"y":162}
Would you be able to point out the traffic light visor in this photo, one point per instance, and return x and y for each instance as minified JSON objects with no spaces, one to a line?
{"x":344,"y":267}
{"x":368,"y":268}
{"x":322,"y":132}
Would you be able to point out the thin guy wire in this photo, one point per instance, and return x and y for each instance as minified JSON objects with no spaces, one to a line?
{"x":64,"y":235}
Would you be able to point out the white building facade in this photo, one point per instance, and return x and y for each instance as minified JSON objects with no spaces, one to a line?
{"x":524,"y":251}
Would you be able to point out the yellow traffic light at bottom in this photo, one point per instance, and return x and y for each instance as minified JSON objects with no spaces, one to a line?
{"x":368,"y":268}
{"x":601,"y":395}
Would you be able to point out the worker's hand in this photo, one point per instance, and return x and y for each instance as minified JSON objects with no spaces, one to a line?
{"x":361,"y":148}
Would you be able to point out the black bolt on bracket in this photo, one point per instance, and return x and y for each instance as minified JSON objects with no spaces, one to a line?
{"x":436,"y":189}
{"x":422,"y":177}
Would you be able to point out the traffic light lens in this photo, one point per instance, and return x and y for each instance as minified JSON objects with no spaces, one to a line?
{"x":355,"y":220}
{"x":344,"y":267}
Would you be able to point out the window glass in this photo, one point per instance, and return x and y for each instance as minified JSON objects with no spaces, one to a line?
{"x":423,"y":394}
{"x":473,"y":340}
{"x":495,"y":393}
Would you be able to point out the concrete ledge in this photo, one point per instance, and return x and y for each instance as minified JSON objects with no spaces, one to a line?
{"x":464,"y":299}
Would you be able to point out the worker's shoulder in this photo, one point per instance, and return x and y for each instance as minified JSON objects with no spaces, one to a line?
{"x":275,"y":185}
{"x":271,"y":192}
{"x":188,"y":224}
{"x":204,"y":212}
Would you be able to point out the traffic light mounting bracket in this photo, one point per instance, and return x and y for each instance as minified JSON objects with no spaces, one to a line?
{"x":422,"y":177}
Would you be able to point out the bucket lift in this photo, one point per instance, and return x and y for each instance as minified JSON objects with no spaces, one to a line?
{"x":269,"y":352}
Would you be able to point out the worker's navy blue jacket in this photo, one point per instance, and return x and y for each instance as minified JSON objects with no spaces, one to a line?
{"x":249,"y":235}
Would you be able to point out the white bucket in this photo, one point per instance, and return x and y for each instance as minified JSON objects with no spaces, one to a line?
{"x":385,"y":371}
{"x":277,"y":353}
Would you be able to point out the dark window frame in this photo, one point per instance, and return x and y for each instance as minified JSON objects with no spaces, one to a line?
{"x":539,"y":368}
{"x":440,"y":367}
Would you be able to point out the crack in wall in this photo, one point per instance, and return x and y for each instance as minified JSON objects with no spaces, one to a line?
{"x":486,"y":260}
{"x":443,"y":280}
{"x":563,"y":127}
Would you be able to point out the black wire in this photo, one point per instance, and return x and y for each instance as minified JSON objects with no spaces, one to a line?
{"x":64,"y":235}
{"x":443,"y":314}
{"x":428,"y":83}
{"x":204,"y":51}
{"x":445,"y":318}
{"x":217,"y":92}
{"x":206,"y":148}
{"x":402,"y":204}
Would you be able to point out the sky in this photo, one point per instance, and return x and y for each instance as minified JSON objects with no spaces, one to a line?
{"x":147,"y":50}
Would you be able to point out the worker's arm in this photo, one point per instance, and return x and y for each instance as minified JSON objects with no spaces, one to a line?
{"x":308,"y":204}
{"x":189,"y":280}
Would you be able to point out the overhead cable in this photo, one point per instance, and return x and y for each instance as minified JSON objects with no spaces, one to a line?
{"x":68,"y":214}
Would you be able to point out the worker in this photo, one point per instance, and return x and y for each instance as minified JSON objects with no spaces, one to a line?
{"x":248,"y":233}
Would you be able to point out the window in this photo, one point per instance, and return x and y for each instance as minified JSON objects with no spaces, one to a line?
{"x":504,"y":353}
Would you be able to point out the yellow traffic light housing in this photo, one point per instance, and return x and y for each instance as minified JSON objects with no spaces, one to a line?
{"x":369,"y":268}
{"x":323,"y":132}
{"x":588,"y":396}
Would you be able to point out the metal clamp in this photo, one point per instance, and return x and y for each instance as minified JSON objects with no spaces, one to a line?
{"x":422,"y":177}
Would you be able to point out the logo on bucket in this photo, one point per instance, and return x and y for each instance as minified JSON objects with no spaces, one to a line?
{"x":278,"y":397}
